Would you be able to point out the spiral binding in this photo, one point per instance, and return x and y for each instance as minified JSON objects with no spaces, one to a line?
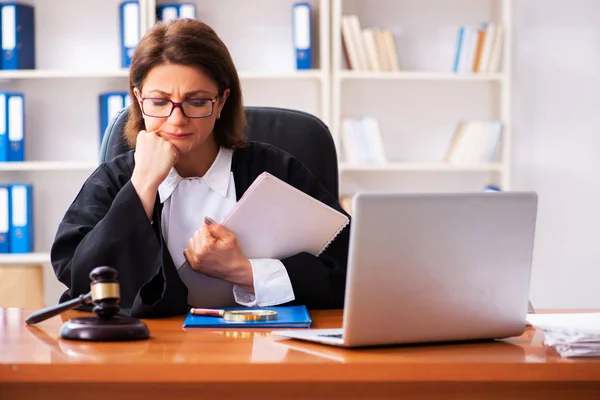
{"x":336,"y":234}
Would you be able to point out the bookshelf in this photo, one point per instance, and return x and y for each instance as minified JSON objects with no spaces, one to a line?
{"x":78,"y":58}
{"x":419,"y":105}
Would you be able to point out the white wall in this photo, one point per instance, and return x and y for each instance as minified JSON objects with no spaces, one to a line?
{"x":556,"y":116}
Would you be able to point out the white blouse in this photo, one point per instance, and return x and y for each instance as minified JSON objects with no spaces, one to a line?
{"x":186,"y":201}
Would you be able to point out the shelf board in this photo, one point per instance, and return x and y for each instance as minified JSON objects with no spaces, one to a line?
{"x":57,"y":73}
{"x":301,"y":74}
{"x":48,"y":166}
{"x":419,"y":167}
{"x":418,"y":76}
{"x":123,"y":73}
{"x":29,"y":258}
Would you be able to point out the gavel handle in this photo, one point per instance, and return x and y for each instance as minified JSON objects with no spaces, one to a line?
{"x":59,"y":308}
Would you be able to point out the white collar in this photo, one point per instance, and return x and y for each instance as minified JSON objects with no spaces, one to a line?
{"x":217,"y":176}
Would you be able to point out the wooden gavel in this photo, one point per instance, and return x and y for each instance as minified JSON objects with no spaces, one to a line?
{"x":106,"y":325}
{"x":104,"y":294}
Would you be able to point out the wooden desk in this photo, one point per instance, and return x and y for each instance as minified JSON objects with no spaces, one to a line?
{"x":198,"y":363}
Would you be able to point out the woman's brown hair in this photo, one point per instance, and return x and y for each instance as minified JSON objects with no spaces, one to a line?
{"x":191,"y":43}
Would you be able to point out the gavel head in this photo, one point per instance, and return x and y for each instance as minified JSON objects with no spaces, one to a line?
{"x":105,"y":292}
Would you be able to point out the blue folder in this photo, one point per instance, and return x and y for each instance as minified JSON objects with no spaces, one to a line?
{"x":287,"y":317}
{"x":301,"y":28}
{"x":4,"y":144}
{"x":5,"y":218}
{"x":12,"y":126}
{"x":110,"y":103}
{"x":21,"y":232}
{"x":129,"y":18}
{"x":18,"y":36}
{"x":15,"y":112}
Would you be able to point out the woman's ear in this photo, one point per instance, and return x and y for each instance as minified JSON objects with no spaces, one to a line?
{"x":222,"y":100}
{"x":137,"y":94}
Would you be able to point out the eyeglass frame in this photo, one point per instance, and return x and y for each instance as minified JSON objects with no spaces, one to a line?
{"x":179,"y":105}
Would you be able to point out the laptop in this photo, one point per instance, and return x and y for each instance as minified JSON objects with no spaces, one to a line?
{"x":435,"y":268}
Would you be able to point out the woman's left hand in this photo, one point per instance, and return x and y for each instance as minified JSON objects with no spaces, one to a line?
{"x":215,"y":252}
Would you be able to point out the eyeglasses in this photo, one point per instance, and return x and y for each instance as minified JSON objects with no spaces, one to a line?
{"x":191,"y":108}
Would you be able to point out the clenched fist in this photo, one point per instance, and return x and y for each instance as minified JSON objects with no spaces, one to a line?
{"x":154,"y":158}
{"x":215,"y":252}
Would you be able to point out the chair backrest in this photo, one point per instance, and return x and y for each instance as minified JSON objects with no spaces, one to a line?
{"x":302,"y":135}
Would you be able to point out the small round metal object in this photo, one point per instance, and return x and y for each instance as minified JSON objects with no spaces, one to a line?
{"x":249,"y":315}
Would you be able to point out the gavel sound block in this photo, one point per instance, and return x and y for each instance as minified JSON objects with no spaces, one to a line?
{"x":106,"y":325}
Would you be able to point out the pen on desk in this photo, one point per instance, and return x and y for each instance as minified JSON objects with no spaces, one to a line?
{"x":236,"y":315}
{"x":208,"y":312}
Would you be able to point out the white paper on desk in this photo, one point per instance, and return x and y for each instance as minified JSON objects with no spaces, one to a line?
{"x":570,"y":323}
{"x":560,"y":337}
{"x":275,"y":220}
{"x":576,"y":351}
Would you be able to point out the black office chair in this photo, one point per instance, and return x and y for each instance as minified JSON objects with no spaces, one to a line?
{"x":302,"y":135}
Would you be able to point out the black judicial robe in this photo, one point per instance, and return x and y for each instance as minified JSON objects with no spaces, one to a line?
{"x":106,"y":225}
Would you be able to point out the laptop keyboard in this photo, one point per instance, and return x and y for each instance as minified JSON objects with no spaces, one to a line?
{"x":333,"y":335}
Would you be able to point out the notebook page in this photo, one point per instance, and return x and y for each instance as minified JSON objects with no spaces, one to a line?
{"x":275,"y":220}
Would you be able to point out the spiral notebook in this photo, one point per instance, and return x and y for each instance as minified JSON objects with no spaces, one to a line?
{"x":275,"y":220}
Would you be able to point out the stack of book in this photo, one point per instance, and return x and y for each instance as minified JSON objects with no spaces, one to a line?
{"x":479,"y":49}
{"x":368,"y":49}
{"x":474,"y":142}
{"x":362,"y":142}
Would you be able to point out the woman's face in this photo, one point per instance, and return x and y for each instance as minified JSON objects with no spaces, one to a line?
{"x":180,"y":83}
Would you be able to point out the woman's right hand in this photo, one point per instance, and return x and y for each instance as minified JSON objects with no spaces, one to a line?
{"x":154,"y":158}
